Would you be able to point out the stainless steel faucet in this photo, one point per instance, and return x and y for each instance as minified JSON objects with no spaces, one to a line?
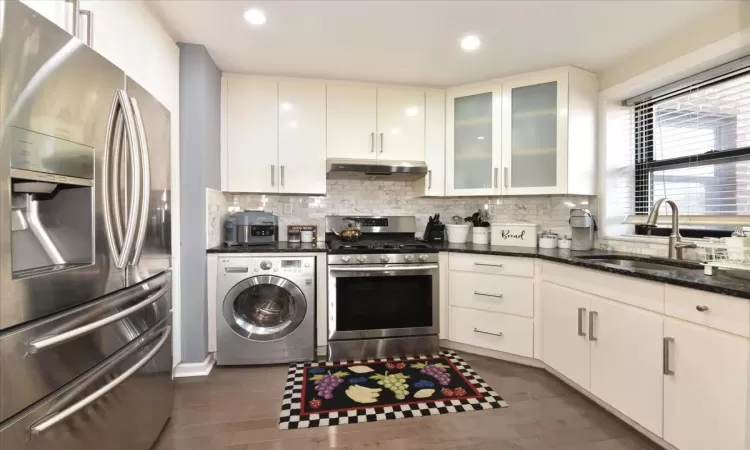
{"x":675,"y":239}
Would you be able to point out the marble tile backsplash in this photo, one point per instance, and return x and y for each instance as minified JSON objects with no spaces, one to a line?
{"x":355,"y":197}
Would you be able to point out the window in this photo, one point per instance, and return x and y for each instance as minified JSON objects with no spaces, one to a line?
{"x":692,"y":145}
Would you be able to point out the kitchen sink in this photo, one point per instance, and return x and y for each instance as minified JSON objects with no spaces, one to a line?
{"x":641,"y":262}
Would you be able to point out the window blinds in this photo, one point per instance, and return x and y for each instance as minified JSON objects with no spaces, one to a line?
{"x":692,"y":145}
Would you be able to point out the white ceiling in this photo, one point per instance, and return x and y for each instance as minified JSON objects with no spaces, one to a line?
{"x":416,"y":42}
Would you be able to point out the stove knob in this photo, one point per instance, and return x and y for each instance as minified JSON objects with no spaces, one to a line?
{"x":265,"y":265}
{"x":345,"y":258}
{"x":385,"y":258}
{"x":361,"y":258}
{"x":423,"y":257}
{"x":409,"y":258}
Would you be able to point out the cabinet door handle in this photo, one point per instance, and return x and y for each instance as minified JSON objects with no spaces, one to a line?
{"x":495,"y":175}
{"x":372,"y":142}
{"x":485,"y":294}
{"x":592,"y":316}
{"x":667,"y":365}
{"x":505,"y":176}
{"x":429,"y":179}
{"x":477,"y":330}
{"x":273,"y":174}
{"x":581,"y":313}
{"x":76,"y":15}
{"x":282,"y":175}
{"x":488,"y":265}
{"x":381,"y":142}
{"x":89,"y":26}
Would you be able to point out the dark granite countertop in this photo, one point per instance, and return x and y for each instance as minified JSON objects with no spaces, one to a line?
{"x":722,"y":283}
{"x":691,"y":278}
{"x":276,"y":247}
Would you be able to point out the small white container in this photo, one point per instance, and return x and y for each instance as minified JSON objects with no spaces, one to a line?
{"x":306,"y":236}
{"x":564,"y":243}
{"x":457,"y":233}
{"x":548,"y":240}
{"x":514,"y":234}
{"x":480,"y":235}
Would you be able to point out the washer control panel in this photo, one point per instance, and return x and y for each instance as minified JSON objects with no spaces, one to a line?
{"x":268,"y":265}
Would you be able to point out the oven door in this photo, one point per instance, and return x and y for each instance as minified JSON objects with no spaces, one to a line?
{"x":378,"y":301}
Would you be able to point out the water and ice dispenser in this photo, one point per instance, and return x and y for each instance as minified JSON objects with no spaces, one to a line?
{"x":52,"y":204}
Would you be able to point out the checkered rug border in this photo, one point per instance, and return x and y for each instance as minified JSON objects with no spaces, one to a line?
{"x":291,"y":418}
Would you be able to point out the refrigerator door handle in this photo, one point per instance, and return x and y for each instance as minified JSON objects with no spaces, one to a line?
{"x":145,"y":168}
{"x":110,"y":182}
{"x":55,"y":418}
{"x":131,"y":227}
{"x":52,"y":340}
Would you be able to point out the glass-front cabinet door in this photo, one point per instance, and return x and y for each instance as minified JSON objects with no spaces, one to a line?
{"x":535,"y":135}
{"x":473,"y":141}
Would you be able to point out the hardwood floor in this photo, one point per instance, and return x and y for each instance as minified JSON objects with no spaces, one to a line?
{"x":237,"y":409}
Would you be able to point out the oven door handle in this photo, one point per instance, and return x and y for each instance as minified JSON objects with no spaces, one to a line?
{"x":385,"y":269}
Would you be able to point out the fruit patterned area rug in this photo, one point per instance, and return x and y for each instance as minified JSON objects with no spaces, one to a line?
{"x":321,"y":394}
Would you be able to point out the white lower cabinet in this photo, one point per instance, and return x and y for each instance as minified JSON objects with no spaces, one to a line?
{"x":626,"y":360}
{"x":706,"y":388}
{"x":565,"y":345}
{"x":494,"y":331}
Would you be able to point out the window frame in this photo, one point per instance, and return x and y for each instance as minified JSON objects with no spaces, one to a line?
{"x":646,"y":165}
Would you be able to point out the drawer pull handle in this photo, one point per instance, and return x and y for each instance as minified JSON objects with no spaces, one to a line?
{"x":488,"y":265}
{"x":702,"y":308}
{"x":488,"y":295}
{"x":477,"y":330}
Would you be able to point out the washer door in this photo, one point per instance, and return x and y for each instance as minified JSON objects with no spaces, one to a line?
{"x":264,"y":308}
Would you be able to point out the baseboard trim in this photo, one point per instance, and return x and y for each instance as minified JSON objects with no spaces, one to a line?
{"x":200,"y":369}
{"x":492,"y":353}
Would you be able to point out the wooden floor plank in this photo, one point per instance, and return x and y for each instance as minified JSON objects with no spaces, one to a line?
{"x":237,"y":409}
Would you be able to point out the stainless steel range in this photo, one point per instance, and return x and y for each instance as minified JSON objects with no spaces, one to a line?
{"x":383,"y":290}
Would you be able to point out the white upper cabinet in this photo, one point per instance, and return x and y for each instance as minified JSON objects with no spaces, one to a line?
{"x":705,"y":387}
{"x":252,"y":134}
{"x":302,"y":137}
{"x":528,"y":134}
{"x":59,"y":12}
{"x":548,"y":133}
{"x":351,"y":124}
{"x":401,"y":125}
{"x":434,"y":182}
{"x":473,"y":141}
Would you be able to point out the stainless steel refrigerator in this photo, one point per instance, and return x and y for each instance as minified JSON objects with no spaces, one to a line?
{"x":85,"y":279}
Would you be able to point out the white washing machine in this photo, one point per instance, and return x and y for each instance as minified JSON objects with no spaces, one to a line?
{"x":266,"y":310}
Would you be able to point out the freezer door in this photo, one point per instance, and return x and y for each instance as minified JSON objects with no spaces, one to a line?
{"x":39,"y":358}
{"x":60,"y":92}
{"x":152,"y":251}
{"x":121,"y":404}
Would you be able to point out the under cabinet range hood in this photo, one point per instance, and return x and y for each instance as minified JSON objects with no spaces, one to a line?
{"x":355,"y":169}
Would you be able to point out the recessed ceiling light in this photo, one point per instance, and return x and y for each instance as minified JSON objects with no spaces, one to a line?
{"x":255,"y":17}
{"x":470,"y":43}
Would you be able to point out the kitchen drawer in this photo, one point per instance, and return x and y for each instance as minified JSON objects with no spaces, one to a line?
{"x":722,"y":312}
{"x":641,"y":293}
{"x":498,"y":293}
{"x":469,"y":326}
{"x":497,"y":265}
